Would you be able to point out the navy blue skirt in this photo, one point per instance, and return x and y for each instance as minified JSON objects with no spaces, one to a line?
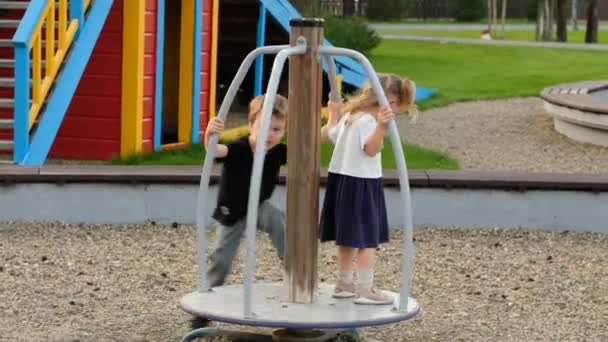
{"x":354,"y":212}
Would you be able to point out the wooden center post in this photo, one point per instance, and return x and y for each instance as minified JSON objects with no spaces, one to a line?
{"x":304,"y":144}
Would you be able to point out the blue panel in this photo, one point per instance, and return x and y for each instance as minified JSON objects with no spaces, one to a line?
{"x":424,"y":93}
{"x":28,"y":22}
{"x":66,"y":83}
{"x":283,"y":11}
{"x":160,"y":62}
{"x":196,"y":70}
{"x":260,"y":41}
{"x":22,"y":96}
{"x":77,"y":12}
{"x":352,"y":72}
{"x":21,"y":41}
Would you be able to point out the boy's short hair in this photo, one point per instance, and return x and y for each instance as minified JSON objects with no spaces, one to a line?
{"x":279,"y":110}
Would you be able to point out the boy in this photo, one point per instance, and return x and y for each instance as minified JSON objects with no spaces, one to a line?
{"x":231,"y":209}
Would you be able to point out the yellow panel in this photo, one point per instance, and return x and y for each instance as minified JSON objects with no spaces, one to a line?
{"x":132,"y":77}
{"x":184,"y":123}
{"x":63,"y":22}
{"x":213,"y":66}
{"x":37,"y":71}
{"x":50,"y":41}
{"x":52,"y":58}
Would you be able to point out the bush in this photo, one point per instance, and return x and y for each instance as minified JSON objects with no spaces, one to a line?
{"x":468,"y":10}
{"x":352,"y":33}
{"x":385,"y":10}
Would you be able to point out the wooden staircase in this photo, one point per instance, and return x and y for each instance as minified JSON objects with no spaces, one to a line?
{"x":11,"y":13}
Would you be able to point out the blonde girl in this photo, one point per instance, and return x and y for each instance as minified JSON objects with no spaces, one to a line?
{"x":354,"y":211}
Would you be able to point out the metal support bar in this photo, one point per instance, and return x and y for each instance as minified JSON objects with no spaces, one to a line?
{"x":203,"y":196}
{"x":258,"y":163}
{"x":234,"y":335}
{"x":333,"y":84}
{"x":408,"y":255}
{"x":277,"y":335}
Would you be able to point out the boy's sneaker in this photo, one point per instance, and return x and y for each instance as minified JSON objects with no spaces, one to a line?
{"x":344,"y":290}
{"x":373,"y":296}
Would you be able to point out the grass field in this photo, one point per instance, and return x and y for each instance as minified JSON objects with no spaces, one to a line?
{"x":462,"y":72}
{"x":417,"y":157}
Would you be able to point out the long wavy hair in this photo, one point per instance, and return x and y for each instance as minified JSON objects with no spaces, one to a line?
{"x":365,"y":99}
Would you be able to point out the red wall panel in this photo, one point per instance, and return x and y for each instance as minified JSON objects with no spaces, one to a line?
{"x":91,"y":128}
{"x":149,"y":75}
{"x":205,"y":63}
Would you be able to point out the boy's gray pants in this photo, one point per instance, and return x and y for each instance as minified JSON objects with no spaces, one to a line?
{"x":270,"y":220}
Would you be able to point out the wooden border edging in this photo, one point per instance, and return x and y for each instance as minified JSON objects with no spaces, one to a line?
{"x":498,"y":180}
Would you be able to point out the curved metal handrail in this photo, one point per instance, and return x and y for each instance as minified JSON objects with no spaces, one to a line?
{"x":333,"y":84}
{"x":201,"y":211}
{"x":283,"y":52}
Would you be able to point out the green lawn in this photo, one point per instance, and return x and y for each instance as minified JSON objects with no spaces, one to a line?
{"x":522,"y":35}
{"x":468,"y":72}
{"x":416,"y":157}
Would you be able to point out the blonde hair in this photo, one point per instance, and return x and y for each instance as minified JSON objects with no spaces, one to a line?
{"x":393,"y":85}
{"x":279,"y":110}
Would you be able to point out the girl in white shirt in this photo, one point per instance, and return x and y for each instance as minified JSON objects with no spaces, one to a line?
{"x":354,"y":211}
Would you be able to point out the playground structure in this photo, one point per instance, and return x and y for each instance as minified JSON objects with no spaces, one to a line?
{"x":300,"y":306}
{"x":582,"y":188}
{"x":128,"y":76}
{"x":579,"y":110}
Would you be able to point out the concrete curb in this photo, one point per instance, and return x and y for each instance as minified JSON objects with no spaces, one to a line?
{"x":503,"y":180}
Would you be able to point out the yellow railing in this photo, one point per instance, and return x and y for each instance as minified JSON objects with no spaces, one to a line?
{"x":55,"y":14}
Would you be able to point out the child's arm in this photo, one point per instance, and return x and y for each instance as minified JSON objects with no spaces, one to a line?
{"x":335,"y":109}
{"x":216,"y":126}
{"x":375,"y":142}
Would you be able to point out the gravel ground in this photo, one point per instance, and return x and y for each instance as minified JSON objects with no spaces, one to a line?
{"x":64,"y":282}
{"x":514,"y":134}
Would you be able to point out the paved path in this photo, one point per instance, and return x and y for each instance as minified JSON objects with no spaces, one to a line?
{"x":554,"y":45}
{"x":463,"y":27}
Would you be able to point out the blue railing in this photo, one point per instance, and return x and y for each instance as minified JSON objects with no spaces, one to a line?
{"x":68,"y":17}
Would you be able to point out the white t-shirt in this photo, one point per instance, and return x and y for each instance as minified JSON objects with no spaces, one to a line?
{"x":349,"y":158}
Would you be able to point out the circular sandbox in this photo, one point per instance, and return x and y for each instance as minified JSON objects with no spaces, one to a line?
{"x":579,"y":110}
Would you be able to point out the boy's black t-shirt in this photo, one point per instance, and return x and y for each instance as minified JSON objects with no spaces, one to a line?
{"x":236,"y":177}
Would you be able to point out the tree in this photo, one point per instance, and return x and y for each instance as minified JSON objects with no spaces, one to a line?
{"x":562,"y":20}
{"x":490,"y":7}
{"x":466,"y":10}
{"x":385,"y":10}
{"x":493,"y":6}
{"x":575,"y":15}
{"x":592,"y":21}
{"x":348,"y":8}
{"x":544,"y":21}
{"x":494,"y":13}
{"x":504,"y":16}
{"x":304,"y":6}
